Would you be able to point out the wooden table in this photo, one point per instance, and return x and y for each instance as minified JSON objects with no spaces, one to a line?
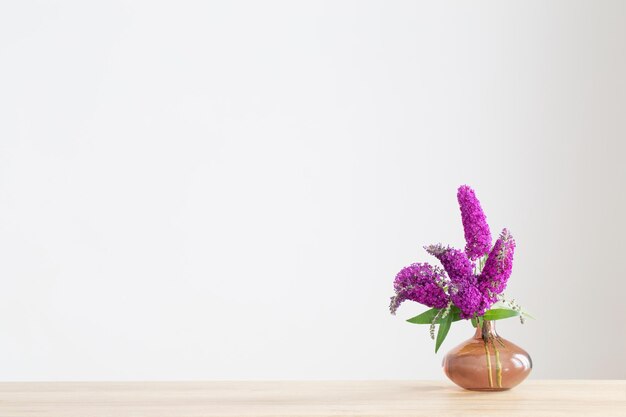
{"x":366,"y":398}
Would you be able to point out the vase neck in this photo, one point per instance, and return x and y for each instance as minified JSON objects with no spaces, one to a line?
{"x":488,"y":330}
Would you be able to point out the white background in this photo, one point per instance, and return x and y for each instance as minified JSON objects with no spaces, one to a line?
{"x":225,"y":190}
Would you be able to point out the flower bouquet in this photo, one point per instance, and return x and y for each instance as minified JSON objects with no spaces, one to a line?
{"x":469,"y":287}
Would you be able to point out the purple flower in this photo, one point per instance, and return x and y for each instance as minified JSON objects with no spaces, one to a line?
{"x":454,"y":261}
{"x":422,"y":283}
{"x":463,"y":291}
{"x":468,"y":298}
{"x":477,"y":234}
{"x":492,"y":281}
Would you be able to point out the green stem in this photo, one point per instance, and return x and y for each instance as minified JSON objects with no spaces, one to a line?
{"x":498,"y":363}
{"x":488,"y":364}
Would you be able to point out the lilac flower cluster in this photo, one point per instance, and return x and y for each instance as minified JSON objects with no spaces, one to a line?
{"x":463,"y":291}
{"x":454,"y":261}
{"x":477,"y":234}
{"x":422,"y":283}
{"x":468,"y":298}
{"x":498,"y":267}
{"x":473,"y":292}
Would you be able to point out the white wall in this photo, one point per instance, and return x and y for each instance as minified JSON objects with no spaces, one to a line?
{"x":225,"y":190}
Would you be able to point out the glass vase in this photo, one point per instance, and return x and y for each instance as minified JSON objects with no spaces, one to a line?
{"x":487,"y":362}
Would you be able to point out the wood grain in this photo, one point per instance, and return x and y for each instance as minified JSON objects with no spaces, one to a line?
{"x":276,"y":399}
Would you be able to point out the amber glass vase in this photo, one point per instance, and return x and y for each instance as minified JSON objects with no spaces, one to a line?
{"x":487,"y":362}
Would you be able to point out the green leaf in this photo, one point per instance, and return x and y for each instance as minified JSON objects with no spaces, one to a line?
{"x":427,"y":316}
{"x":455,"y":312}
{"x":507,"y":306}
{"x":444,"y":327}
{"x":500,"y":313}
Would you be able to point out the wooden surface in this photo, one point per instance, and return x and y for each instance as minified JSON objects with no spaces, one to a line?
{"x":373,"y":398}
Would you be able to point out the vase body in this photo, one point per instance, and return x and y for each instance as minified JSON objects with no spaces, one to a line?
{"x":487,"y":362}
